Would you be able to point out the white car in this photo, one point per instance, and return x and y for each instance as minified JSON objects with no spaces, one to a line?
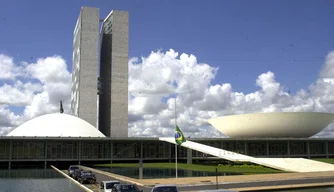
{"x":164,"y":188}
{"x":106,"y":186}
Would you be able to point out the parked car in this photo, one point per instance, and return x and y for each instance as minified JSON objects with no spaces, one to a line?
{"x":84,"y":176}
{"x":106,"y":186}
{"x":71,"y":170}
{"x":77,"y":173}
{"x":164,"y":188}
{"x":125,"y":188}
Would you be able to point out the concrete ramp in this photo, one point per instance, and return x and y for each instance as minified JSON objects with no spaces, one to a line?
{"x":294,"y":164}
{"x":285,"y":164}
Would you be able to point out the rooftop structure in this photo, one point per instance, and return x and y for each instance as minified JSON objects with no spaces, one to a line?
{"x":286,"y":124}
{"x":56,"y":125}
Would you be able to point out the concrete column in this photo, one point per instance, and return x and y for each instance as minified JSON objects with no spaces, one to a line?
{"x":10,"y":154}
{"x":308,"y":149}
{"x":326,"y":149}
{"x":246,"y":147}
{"x":141,"y":149}
{"x":45,"y":150}
{"x":111,"y":151}
{"x":141,"y":168}
{"x":79,"y":150}
{"x":72,"y":154}
{"x":170,"y":152}
{"x":288,"y":146}
{"x":189,"y":156}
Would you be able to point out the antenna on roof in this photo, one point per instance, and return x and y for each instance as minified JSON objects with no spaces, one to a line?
{"x":61,"y":107}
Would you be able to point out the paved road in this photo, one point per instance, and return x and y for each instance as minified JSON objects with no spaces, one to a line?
{"x":237,"y":185}
{"x":101,"y":177}
{"x":257,"y":184}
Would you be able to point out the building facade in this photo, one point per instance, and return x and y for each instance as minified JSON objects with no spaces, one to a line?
{"x":85,"y":65}
{"x":113,"y":80}
{"x":43,"y":150}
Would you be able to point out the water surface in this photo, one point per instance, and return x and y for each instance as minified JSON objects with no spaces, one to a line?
{"x":154,"y":173}
{"x":35,"y":180}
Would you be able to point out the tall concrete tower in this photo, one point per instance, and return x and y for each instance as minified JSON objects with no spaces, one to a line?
{"x":113,"y":80}
{"x":85,"y":65}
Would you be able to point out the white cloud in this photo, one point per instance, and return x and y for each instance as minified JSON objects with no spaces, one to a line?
{"x":327,"y":70}
{"x":43,"y":85}
{"x":161,"y":74}
{"x":153,"y":83}
{"x":8,"y":70}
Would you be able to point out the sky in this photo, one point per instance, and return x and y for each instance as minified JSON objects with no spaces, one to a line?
{"x":226,"y":57}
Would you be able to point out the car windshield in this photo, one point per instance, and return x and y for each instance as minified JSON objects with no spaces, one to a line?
{"x":165,"y":189}
{"x":111,"y":184}
{"x":128,"y":188}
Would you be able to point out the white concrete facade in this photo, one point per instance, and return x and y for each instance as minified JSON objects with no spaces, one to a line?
{"x":285,"y":164}
{"x":85,"y":65}
{"x":286,"y":124}
{"x":56,"y":125}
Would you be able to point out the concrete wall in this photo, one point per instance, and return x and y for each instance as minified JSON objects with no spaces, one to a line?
{"x":85,"y":66}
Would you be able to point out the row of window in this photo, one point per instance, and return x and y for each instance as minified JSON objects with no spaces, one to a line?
{"x":98,"y":150}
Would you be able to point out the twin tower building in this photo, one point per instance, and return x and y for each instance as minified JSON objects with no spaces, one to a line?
{"x":100,"y":71}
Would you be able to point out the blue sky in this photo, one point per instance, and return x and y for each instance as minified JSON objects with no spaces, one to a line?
{"x":242,"y":38}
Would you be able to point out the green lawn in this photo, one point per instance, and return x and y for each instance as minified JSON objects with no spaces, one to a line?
{"x":241,"y":169}
{"x":325,"y":160}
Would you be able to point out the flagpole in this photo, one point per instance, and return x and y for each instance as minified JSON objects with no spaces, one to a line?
{"x":175,"y":146}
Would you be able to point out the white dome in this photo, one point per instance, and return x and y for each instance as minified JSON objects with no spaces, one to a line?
{"x":56,"y":125}
{"x":286,"y":124}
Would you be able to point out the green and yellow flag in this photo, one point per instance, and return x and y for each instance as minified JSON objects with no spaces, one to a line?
{"x":179,"y":138}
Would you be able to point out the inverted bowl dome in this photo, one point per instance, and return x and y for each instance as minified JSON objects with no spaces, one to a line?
{"x":286,"y":124}
{"x":56,"y":125}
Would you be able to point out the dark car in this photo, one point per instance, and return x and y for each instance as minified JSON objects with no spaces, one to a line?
{"x":71,"y":170}
{"x":125,"y":188}
{"x":164,"y":188}
{"x":84,"y":176}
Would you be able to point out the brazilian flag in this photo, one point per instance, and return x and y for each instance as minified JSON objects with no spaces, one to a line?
{"x":179,"y":138}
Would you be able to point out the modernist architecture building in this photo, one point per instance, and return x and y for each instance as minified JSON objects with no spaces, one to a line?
{"x":101,"y":101}
{"x":58,"y":125}
{"x":113,"y":80}
{"x":273,"y":125}
{"x":85,"y":65}
{"x":61,"y":138}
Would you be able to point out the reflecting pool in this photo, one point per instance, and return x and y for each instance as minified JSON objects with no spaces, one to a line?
{"x":35,"y":180}
{"x":149,"y":173}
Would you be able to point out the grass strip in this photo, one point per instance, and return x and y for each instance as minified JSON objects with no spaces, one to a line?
{"x":325,"y":160}
{"x":240,"y":169}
